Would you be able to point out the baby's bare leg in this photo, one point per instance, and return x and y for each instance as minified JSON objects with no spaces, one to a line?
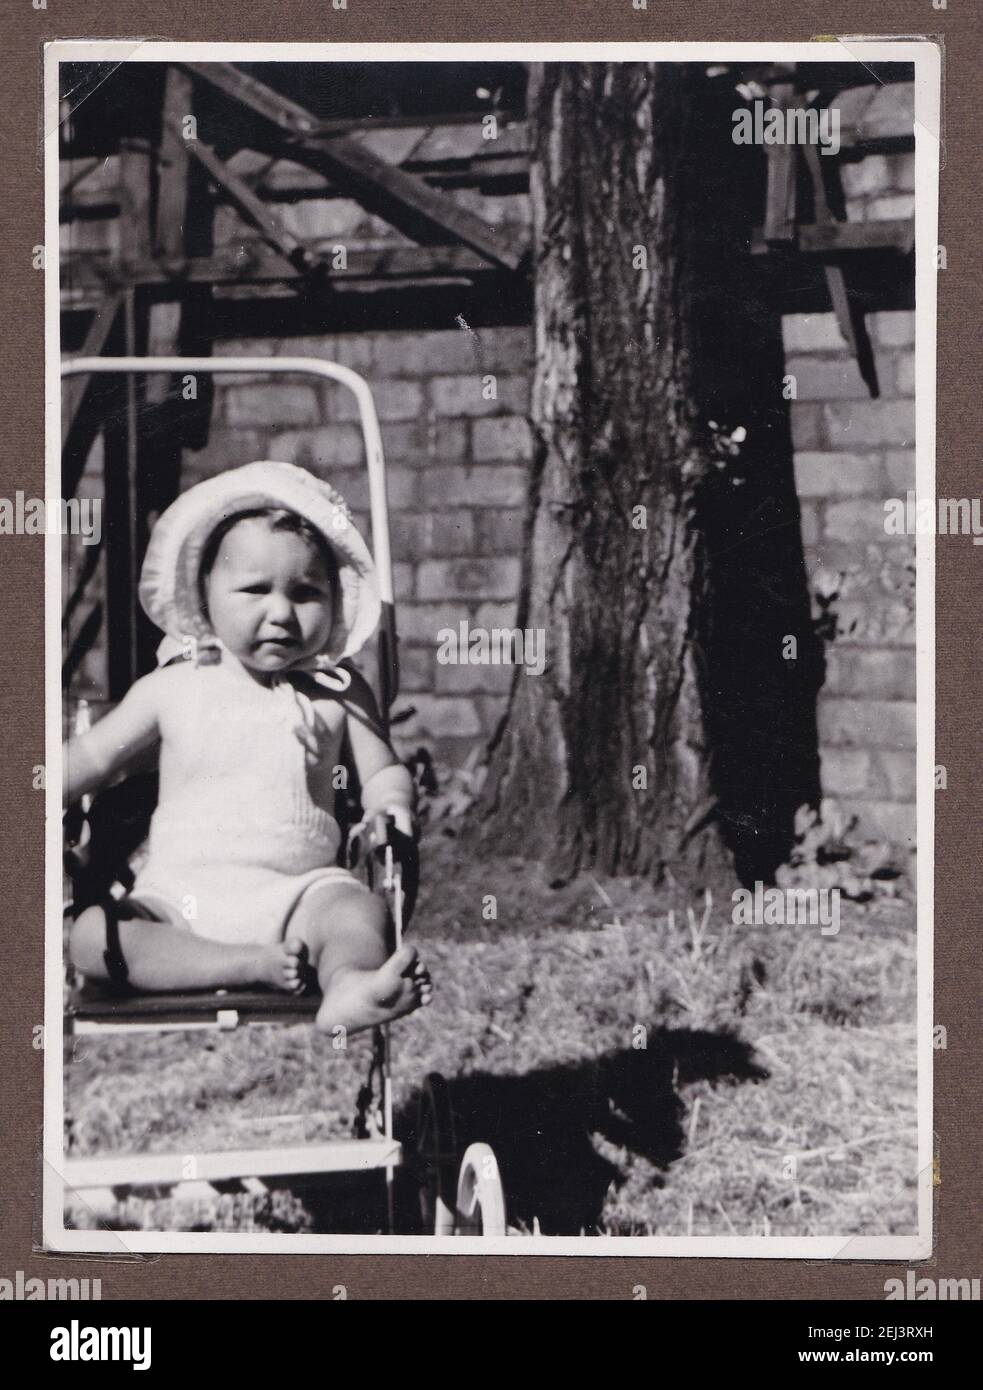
{"x":162,"y":957}
{"x":344,"y":929}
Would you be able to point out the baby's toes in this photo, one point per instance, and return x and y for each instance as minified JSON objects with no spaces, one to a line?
{"x":294,"y":962}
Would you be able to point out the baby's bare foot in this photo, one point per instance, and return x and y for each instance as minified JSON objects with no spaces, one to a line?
{"x":284,"y":966}
{"x":358,"y":999}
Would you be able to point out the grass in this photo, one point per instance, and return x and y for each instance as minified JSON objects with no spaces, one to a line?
{"x":638,"y":1070}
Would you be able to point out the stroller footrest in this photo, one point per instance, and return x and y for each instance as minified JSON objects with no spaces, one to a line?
{"x":168,"y":1170}
{"x":99,"y":1007}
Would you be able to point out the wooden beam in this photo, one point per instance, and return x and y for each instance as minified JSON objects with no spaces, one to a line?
{"x":849,"y":315}
{"x":284,"y":183}
{"x":279,"y":110}
{"x":251,"y":263}
{"x":780,"y":190}
{"x":255,"y":212}
{"x":170,"y":222}
{"x":344,"y":125}
{"x":120,"y":462}
{"x":281,"y":184}
{"x":134,"y":195}
{"x":409,"y":204}
{"x":405,"y":201}
{"x":75,"y":388}
{"x":170,"y":219}
{"x":353,"y":125}
{"x":834,"y":238}
{"x":184,"y":226}
{"x":72,"y":179}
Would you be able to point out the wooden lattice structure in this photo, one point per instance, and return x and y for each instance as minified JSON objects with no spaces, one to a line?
{"x":159,"y":294}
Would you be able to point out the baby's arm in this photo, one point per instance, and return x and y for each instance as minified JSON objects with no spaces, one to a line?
{"x":387,"y":786}
{"x":95,"y":758}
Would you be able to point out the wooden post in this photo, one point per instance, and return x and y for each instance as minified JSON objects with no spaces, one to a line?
{"x":172,"y":167}
{"x":170,"y":219}
{"x":121,"y":456}
{"x":780,"y":194}
{"x":848,"y":313}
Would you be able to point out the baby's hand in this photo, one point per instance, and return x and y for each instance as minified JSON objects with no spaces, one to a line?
{"x":401,"y":839}
{"x":395,"y":827}
{"x":404,"y":820}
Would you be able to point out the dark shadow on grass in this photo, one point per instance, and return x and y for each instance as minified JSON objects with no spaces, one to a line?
{"x":540,"y":1125}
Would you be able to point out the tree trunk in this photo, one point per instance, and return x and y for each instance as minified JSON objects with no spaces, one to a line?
{"x":606,"y":760}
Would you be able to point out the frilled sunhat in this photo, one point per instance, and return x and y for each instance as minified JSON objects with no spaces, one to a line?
{"x":169,"y":581}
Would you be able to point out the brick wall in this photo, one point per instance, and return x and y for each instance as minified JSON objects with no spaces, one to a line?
{"x":851,"y":453}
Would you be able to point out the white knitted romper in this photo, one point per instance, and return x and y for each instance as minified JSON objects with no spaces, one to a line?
{"x":244,"y":823}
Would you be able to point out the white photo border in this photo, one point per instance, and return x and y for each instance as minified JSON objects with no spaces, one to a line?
{"x":926,"y":57}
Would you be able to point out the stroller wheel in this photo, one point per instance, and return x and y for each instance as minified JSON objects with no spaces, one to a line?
{"x":480,"y":1206}
{"x":436,"y":1148}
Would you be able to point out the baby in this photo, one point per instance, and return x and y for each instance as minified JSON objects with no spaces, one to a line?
{"x":263,"y":586}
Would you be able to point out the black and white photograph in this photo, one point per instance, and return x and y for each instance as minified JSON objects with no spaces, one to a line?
{"x":490,"y":647}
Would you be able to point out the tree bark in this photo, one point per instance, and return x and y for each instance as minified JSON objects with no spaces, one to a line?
{"x":606,"y":760}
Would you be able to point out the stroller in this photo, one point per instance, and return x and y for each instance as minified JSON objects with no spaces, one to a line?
{"x":458,"y":1195}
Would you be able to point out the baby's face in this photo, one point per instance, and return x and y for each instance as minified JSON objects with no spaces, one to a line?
{"x":269,"y":597}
